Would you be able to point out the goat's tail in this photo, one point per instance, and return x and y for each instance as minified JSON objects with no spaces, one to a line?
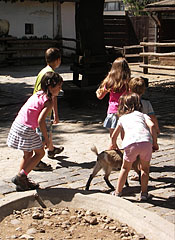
{"x":94,"y":149}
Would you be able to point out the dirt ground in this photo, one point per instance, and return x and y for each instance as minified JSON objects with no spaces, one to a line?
{"x":63,"y":223}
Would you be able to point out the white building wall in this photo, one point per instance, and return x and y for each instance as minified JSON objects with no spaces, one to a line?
{"x":44,"y":16}
{"x":68,"y":25}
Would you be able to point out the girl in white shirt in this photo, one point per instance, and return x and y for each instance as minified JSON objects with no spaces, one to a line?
{"x":140,"y":139}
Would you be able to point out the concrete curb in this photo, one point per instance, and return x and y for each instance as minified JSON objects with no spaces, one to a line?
{"x":148,"y":223}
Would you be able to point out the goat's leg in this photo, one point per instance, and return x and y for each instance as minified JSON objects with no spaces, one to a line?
{"x":106,"y":178}
{"x":108,"y":183}
{"x":97,"y":168}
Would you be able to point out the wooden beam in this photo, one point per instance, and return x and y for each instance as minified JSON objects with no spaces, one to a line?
{"x":157,"y":66}
{"x":158,"y":44}
{"x":148,"y":54}
{"x":160,"y":9}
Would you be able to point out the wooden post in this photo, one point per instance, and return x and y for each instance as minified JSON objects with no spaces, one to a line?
{"x":145,"y":58}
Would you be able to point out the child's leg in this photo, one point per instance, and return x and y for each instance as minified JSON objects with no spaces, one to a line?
{"x":111,"y":130}
{"x":145,"y":158}
{"x":126,"y":167}
{"x":145,"y":165}
{"x":51,"y":147}
{"x":26,"y":158}
{"x":29,"y":162}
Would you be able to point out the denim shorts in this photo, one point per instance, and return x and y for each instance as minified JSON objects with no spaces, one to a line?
{"x":48,"y":127}
{"x":110,"y":121}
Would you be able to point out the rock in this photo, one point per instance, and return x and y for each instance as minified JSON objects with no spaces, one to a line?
{"x":15,"y":221}
{"x":14,"y":237}
{"x":19,"y":229}
{"x":91,"y":220}
{"x":31,"y":231}
{"x":26,"y":236}
{"x":65,"y":212}
{"x":37,"y":215}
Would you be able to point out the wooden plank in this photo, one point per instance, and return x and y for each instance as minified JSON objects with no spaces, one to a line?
{"x":133,"y":46}
{"x":148,"y":54}
{"x":131,"y":55}
{"x":157,"y":66}
{"x":157,"y":44}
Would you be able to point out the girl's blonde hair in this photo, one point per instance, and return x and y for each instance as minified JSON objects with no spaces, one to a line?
{"x":129,"y":103}
{"x":118,"y":76}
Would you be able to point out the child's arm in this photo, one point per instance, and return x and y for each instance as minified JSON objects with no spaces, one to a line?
{"x":55,"y":111}
{"x":41,"y":120}
{"x":101,"y":92}
{"x":114,"y":136}
{"x":148,"y":109}
{"x":155,"y":121}
{"x":153,"y":132}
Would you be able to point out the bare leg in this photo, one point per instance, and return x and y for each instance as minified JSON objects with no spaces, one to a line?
{"x":111,"y":130}
{"x":26,"y":158}
{"x":51,"y":147}
{"x":126,"y":167}
{"x":29,"y":162}
{"x":144,"y":175}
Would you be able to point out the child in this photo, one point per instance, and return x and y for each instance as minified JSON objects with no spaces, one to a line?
{"x":23,"y":134}
{"x":53,"y":60}
{"x":116,"y":84}
{"x":139,"y":140}
{"x":137,"y":85}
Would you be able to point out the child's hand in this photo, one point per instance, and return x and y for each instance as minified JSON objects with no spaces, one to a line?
{"x":46,"y":143}
{"x":101,"y":92}
{"x":55,"y":121}
{"x":113,"y":147}
{"x":155,"y":147}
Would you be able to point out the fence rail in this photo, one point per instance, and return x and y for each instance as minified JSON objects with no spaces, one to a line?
{"x":145,"y":54}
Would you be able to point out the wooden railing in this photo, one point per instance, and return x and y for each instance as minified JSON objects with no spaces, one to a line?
{"x":146,"y":55}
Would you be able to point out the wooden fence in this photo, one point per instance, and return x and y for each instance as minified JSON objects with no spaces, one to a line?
{"x":146,"y":55}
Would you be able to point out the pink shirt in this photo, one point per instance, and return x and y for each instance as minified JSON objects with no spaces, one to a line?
{"x":114,"y":99}
{"x":29,"y":113}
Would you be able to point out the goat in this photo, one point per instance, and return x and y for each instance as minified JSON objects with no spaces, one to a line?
{"x":109,"y":160}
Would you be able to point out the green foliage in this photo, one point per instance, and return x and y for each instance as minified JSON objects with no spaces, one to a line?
{"x":135,"y":7}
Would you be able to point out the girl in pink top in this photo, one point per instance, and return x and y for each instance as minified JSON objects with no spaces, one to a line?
{"x":116,"y":84}
{"x":23,"y":134}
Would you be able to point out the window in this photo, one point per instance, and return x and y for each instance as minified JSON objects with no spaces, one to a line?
{"x":114,"y":6}
{"x":111,"y":6}
{"x":29,"y":29}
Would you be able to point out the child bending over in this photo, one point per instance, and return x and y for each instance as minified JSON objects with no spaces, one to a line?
{"x":23,"y":134}
{"x":140,"y":139}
